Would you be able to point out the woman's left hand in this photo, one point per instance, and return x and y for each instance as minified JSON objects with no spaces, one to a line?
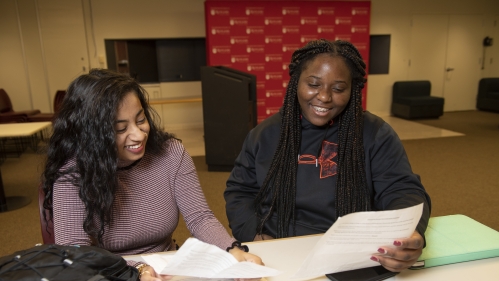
{"x":403,"y":256}
{"x":240,"y":256}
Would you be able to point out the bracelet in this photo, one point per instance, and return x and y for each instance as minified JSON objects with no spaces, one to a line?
{"x":238,"y":245}
{"x":141,"y":268}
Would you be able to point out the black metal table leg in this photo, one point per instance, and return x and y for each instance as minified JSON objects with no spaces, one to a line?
{"x":12,"y":202}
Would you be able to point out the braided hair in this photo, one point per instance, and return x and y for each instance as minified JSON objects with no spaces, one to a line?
{"x":279,"y":185}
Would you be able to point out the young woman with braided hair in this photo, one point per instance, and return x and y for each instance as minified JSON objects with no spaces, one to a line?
{"x":322,"y":157}
{"x":113,"y":179}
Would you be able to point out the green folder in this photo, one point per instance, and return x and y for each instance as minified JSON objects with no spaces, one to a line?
{"x":457,"y":238}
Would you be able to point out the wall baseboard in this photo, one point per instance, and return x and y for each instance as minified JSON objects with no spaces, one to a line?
{"x":184,"y":126}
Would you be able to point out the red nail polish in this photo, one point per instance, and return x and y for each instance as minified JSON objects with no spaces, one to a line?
{"x":373,"y":258}
{"x":397,"y":243}
{"x":381,"y":250}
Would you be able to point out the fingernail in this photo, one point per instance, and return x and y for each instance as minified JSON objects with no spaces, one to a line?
{"x":397,"y":243}
{"x":382,"y":251}
{"x":373,"y":258}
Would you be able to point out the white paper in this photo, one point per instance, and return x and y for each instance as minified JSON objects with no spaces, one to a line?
{"x":353,"y":239}
{"x":157,"y":261}
{"x":187,"y":278}
{"x":198,"y":259}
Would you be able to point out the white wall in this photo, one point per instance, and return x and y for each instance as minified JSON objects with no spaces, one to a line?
{"x":394,"y":17}
{"x":23,"y":72}
{"x":492,"y":53}
{"x":43,"y":48}
{"x":13,"y":74}
{"x":131,"y":19}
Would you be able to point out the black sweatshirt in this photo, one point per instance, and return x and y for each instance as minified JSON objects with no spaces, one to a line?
{"x":390,"y":179}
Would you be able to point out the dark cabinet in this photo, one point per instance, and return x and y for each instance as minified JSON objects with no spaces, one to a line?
{"x":229,"y":113}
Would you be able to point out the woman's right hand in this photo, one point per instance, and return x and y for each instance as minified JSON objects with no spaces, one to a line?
{"x":149,"y":274}
{"x":240,"y":256}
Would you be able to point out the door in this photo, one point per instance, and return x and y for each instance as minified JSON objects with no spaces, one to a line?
{"x":491,"y":53}
{"x":64,"y":51}
{"x":463,"y":62}
{"x":446,"y":49}
{"x":428,"y":50}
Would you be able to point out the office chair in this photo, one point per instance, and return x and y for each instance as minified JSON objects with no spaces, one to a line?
{"x":47,"y":227}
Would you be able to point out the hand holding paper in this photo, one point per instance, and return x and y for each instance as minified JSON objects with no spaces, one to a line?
{"x":405,"y":253}
{"x":199,"y":259}
{"x":354,"y":238}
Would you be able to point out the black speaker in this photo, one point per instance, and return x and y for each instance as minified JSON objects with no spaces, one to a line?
{"x":229,"y":113}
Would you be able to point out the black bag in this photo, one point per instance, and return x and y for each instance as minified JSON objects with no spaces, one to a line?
{"x":51,"y":262}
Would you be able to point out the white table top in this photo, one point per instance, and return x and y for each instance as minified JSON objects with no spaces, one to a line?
{"x":287,"y":255}
{"x":22,"y":129}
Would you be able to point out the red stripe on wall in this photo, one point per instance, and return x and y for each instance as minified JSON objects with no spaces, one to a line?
{"x":259,"y":37}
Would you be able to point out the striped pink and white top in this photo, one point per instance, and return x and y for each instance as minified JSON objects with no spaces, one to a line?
{"x":146,"y":208}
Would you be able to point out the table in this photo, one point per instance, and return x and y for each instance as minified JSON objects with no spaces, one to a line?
{"x":287,"y":254}
{"x":19,"y":130}
{"x":282,"y":254}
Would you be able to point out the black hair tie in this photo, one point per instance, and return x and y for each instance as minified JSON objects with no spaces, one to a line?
{"x":238,"y":245}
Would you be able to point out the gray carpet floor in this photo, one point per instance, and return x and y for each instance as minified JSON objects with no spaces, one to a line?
{"x":461,"y":174}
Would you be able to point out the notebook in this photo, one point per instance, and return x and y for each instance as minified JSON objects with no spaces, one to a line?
{"x":457,"y":238}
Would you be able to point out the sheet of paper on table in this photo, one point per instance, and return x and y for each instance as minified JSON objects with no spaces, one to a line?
{"x":198,"y":259}
{"x":353,"y":239}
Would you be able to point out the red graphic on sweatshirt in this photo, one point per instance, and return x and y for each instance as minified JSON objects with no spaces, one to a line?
{"x":328,"y":166}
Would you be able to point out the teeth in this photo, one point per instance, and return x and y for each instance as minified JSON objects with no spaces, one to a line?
{"x":320,"y":109}
{"x":133,"y":146}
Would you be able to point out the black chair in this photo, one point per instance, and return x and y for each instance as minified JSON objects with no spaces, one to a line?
{"x":411,"y":100}
{"x":47,"y":227}
{"x":488,"y":94}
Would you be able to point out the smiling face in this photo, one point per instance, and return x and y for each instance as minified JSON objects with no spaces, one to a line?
{"x":324,"y":88}
{"x":132,"y":129}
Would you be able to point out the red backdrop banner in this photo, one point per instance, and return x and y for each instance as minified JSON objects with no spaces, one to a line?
{"x":259,"y":37}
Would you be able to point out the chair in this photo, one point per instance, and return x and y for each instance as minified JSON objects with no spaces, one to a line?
{"x":49,"y":117}
{"x":488,"y":94}
{"x":411,"y":99}
{"x":10,"y":117}
{"x":47,"y":227}
{"x":7,"y":113}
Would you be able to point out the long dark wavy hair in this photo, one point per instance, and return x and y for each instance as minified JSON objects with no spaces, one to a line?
{"x":83,"y":131}
{"x":279,"y":185}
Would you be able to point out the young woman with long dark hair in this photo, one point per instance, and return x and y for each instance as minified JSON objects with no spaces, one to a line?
{"x":113,"y":179}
